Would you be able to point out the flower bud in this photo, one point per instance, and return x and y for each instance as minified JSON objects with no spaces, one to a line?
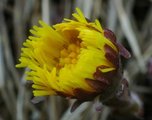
{"x":76,"y":59}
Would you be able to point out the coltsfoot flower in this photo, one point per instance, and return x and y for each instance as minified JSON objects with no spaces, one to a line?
{"x":76,"y":59}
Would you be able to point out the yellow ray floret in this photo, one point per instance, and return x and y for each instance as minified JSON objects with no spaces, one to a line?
{"x":62,"y":57}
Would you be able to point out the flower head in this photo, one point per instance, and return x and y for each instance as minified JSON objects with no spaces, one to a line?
{"x":75,"y":58}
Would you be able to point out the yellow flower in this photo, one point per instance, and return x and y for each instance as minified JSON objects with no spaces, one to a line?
{"x":76,"y":59}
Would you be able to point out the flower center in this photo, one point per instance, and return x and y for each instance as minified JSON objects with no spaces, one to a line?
{"x":69,"y":54}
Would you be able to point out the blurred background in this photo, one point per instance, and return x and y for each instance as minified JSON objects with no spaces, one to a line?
{"x":130,"y":20}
